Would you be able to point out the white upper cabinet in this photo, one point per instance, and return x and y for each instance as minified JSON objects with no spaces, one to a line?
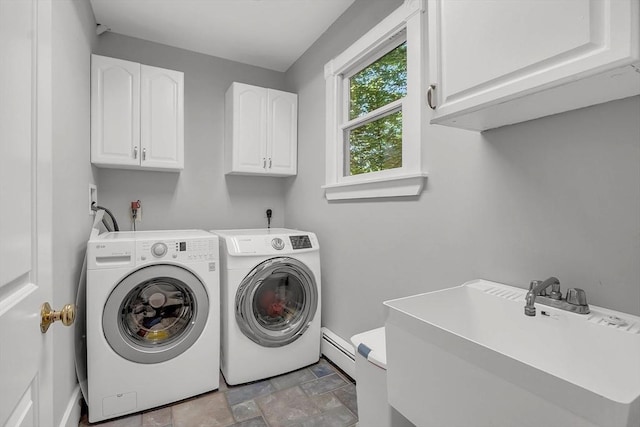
{"x":137,"y":115}
{"x":261,"y":131}
{"x":494,"y":63}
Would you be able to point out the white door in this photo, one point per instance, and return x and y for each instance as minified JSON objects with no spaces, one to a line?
{"x":283,"y":132}
{"x":25,"y":212}
{"x":161,"y":118}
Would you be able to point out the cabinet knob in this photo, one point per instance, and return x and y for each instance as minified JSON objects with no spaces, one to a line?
{"x":430,"y":91}
{"x":144,"y":154}
{"x":135,"y":152}
{"x":269,"y":162}
{"x":264,"y":163}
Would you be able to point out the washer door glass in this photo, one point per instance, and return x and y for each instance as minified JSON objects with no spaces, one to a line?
{"x":155,"y":313}
{"x":276,"y":302}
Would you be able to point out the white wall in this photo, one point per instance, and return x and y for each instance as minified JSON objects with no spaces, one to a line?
{"x":555,"y":196}
{"x":201,"y":196}
{"x":73,"y":37}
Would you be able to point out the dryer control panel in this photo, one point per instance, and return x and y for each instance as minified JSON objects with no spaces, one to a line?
{"x":188,"y":250}
{"x":271,"y":244}
{"x":300,"y":242}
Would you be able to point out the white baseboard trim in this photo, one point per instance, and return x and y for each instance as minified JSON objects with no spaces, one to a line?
{"x":71,"y":416}
{"x":339,"y":351}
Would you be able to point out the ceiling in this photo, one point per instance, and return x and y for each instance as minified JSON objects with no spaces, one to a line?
{"x":266,"y":33}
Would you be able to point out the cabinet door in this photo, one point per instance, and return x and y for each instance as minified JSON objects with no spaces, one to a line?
{"x":162,"y":118}
{"x":282,"y":141}
{"x":249,"y":129}
{"x":485,"y":53}
{"x":115,"y":112}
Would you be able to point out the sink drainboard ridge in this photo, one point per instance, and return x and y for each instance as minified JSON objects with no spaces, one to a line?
{"x":506,"y":294}
{"x":601,"y":319}
{"x":596,"y":316}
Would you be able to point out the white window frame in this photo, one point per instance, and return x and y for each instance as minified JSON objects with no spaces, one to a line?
{"x":407,"y":180}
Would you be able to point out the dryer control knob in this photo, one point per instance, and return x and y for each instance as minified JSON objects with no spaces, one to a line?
{"x":158,"y":250}
{"x":278,"y":244}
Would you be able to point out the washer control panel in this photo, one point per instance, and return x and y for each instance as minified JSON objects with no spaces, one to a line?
{"x":177,"y":250}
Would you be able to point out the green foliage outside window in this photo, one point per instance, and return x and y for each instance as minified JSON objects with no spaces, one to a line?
{"x":377,"y":145}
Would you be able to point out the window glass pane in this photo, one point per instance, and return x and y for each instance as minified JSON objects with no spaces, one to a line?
{"x":380,"y":83}
{"x":375,"y":146}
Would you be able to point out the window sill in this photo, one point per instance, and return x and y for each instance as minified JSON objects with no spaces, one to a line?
{"x":398,"y":186}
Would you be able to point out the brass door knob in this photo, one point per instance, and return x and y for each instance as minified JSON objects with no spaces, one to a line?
{"x":48,"y":316}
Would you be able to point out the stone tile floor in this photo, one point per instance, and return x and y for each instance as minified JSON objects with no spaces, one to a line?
{"x":316,"y":396}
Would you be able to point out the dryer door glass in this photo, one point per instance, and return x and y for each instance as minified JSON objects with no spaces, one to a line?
{"x":155,"y":313}
{"x":276,"y":302}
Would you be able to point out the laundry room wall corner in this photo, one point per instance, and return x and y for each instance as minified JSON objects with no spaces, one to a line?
{"x":72,"y":41}
{"x":200,"y":196}
{"x":493,"y":202}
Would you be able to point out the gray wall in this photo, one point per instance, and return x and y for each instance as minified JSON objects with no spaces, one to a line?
{"x":555,"y":196}
{"x":73,"y":37}
{"x":201,"y":196}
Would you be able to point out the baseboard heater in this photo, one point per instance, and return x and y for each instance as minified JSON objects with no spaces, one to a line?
{"x":339,"y":351}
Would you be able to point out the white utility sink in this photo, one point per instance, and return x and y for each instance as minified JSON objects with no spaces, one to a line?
{"x":468,"y":356}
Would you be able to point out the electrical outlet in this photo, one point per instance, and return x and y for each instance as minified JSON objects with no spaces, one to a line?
{"x":93,"y":197}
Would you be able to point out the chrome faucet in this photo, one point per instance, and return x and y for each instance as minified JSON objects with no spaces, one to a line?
{"x":576,"y":300}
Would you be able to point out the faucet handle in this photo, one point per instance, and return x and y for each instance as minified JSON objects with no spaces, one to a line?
{"x":576,"y":296}
{"x":555,"y":291}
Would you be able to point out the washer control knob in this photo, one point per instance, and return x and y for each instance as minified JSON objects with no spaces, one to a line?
{"x":277,"y":243}
{"x":158,"y":250}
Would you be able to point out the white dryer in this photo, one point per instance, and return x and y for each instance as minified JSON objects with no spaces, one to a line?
{"x":270,"y":302}
{"x":152,"y":319}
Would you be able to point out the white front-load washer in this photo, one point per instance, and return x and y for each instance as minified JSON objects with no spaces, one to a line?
{"x":270,"y":302}
{"x":152,"y":319}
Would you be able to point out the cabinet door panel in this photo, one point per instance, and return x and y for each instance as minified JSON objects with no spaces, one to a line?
{"x":485,"y":53}
{"x":115,"y":111}
{"x":162,"y":118}
{"x":516,"y":35}
{"x":283,"y":132}
{"x":250,"y":129}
